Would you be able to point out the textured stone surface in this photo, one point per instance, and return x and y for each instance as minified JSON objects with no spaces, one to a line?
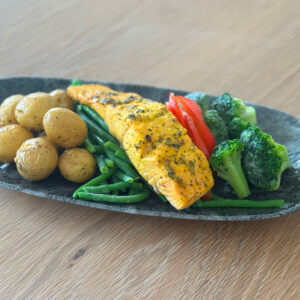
{"x":284,"y":128}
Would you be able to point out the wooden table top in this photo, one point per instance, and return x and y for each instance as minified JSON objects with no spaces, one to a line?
{"x":55,"y":250}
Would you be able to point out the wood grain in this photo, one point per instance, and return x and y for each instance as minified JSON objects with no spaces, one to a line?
{"x":60,"y":251}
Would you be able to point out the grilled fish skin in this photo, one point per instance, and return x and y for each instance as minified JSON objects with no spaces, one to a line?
{"x":155,"y":142}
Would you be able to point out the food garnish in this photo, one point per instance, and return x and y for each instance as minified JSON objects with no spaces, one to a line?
{"x":189,"y":114}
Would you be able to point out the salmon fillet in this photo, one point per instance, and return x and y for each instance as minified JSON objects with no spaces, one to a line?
{"x":155,"y":142}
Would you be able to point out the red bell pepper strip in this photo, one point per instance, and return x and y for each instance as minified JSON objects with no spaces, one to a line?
{"x":192,"y":108}
{"x":193,"y":133}
{"x":207,"y":196}
{"x":176,"y":111}
{"x":172,"y":109}
{"x":174,"y":103}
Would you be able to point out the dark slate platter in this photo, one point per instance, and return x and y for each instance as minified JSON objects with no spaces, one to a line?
{"x":283,"y":127}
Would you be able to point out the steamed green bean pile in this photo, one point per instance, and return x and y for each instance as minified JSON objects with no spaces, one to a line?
{"x":118,"y":181}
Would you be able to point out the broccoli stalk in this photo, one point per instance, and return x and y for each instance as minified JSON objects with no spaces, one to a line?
{"x":229,"y":108}
{"x":216,"y":125}
{"x":202,"y":100}
{"x":226,"y":161}
{"x":264,"y":160}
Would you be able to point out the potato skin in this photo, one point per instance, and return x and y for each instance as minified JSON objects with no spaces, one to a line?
{"x":62,"y":99}
{"x":7,"y":110}
{"x":11,"y":138}
{"x":31,"y":109}
{"x":43,"y":135}
{"x":64,"y":127}
{"x":77,"y":165}
{"x":36,"y":159}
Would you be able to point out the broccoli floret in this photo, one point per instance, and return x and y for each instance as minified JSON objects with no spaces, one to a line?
{"x":216,"y":125}
{"x":202,"y":100}
{"x":226,"y":161}
{"x":76,"y":82}
{"x":236,"y":127}
{"x":229,"y":107}
{"x":264,"y":160}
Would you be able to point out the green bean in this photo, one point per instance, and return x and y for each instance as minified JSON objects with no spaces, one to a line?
{"x":123,"y":165}
{"x":239,"y":203}
{"x":98,"y":149}
{"x":115,"y":180}
{"x":104,"y":191}
{"x":101,"y":164}
{"x":95,"y":128}
{"x":76,"y":82}
{"x":115,"y":199}
{"x":95,"y":181}
{"x":109,"y":162}
{"x":162,"y":198}
{"x":99,"y":141}
{"x":89,"y":146}
{"x":95,"y":116}
{"x":78,"y":107}
{"x":113,"y":187}
{"x":119,"y":152}
{"x":215,"y":197}
{"x":132,"y":192}
{"x":124,"y":177}
{"x":112,"y":146}
{"x":136,"y":186}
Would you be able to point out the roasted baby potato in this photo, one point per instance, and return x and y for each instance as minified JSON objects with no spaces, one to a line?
{"x":77,"y":165}
{"x":62,"y":99}
{"x":11,"y":138}
{"x":43,"y":134}
{"x":32,"y":108}
{"x":7,"y":110}
{"x":36,"y":159}
{"x":64,"y":127}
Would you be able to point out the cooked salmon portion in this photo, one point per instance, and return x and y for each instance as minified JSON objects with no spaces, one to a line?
{"x":155,"y":142}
